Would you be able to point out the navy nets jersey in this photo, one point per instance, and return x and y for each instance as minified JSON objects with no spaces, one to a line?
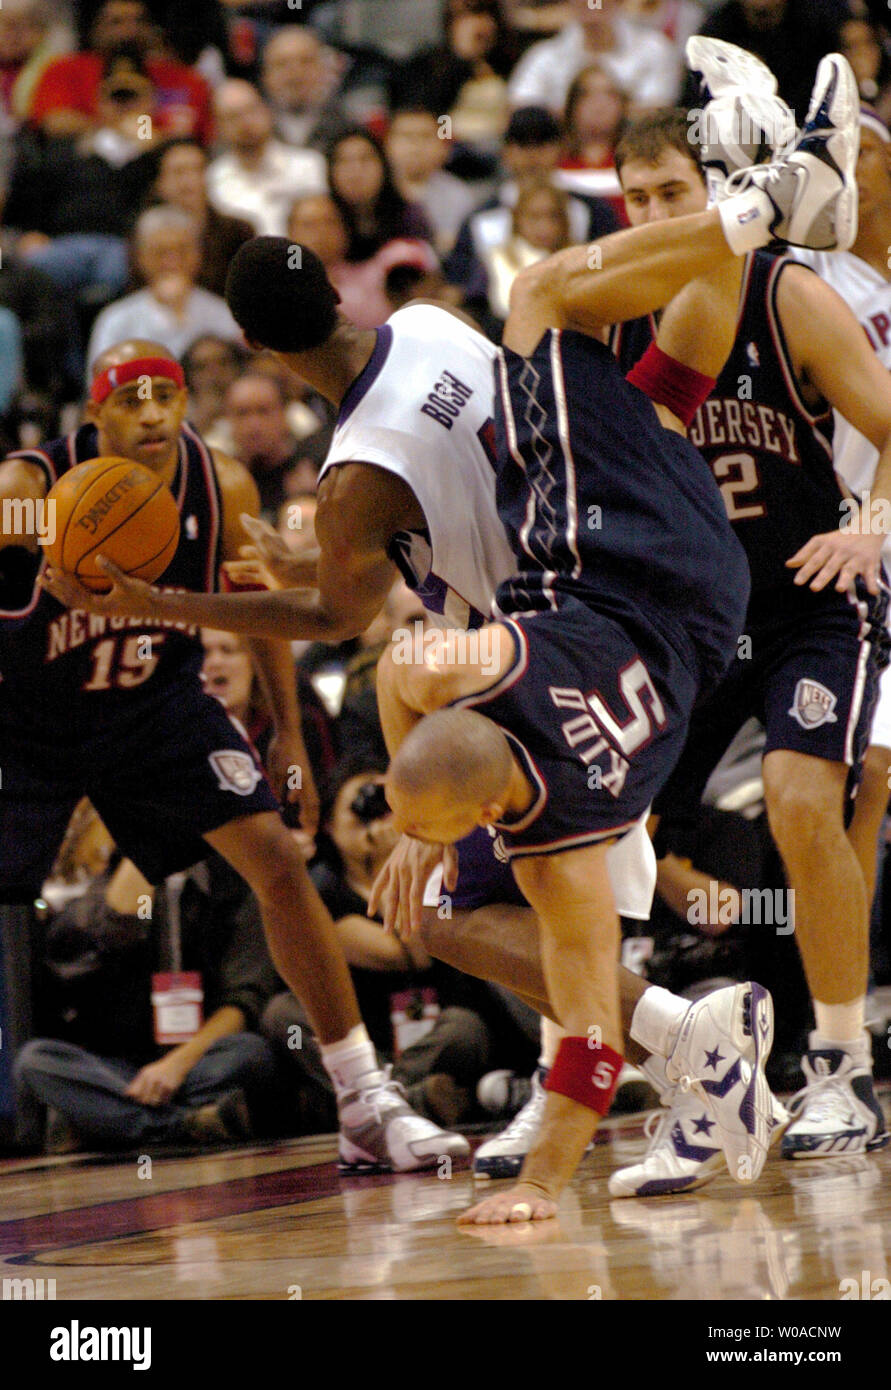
{"x":78,"y":668}
{"x":604,"y":505}
{"x":770,"y":453}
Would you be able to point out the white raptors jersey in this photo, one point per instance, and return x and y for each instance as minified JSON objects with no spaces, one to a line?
{"x":423,"y":409}
{"x":869,"y":295}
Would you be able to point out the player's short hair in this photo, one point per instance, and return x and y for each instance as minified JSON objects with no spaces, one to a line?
{"x":647,"y":138}
{"x":280,"y":295}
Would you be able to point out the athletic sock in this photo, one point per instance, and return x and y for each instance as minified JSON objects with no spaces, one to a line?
{"x":551,"y":1037}
{"x":656,"y":1020}
{"x":842,"y":1022}
{"x":350,"y":1061}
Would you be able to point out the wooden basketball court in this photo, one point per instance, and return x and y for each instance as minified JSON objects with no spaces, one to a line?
{"x":278,"y":1222}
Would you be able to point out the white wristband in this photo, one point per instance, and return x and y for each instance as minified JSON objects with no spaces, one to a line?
{"x":746,"y":219}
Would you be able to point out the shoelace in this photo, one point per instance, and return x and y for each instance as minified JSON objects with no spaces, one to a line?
{"x":388,"y":1088}
{"x":825,"y":1089}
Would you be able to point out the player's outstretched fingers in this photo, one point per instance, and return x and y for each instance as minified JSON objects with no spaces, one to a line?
{"x":518,"y":1204}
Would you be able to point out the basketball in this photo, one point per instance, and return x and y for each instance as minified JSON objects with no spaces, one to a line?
{"x":115,"y":508}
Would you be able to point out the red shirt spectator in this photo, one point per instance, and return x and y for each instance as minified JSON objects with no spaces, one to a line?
{"x":182,"y":97}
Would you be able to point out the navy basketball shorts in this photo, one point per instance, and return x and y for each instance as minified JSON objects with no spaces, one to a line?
{"x":810,"y":673}
{"x":160,"y":780}
{"x":596,"y":722}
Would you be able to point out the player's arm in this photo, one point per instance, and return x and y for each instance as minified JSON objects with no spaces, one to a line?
{"x":621,"y":276}
{"x":354,"y":521}
{"x":831,"y":352}
{"x":580,"y":935}
{"x":22,"y":484}
{"x":287,"y":760}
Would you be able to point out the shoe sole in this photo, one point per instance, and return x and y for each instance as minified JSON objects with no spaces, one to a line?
{"x":352,"y":1159}
{"x":844,"y":115}
{"x":734,"y":68}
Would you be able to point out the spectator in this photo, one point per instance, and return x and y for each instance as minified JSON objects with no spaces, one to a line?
{"x":28,"y":44}
{"x":75,"y":198}
{"x":280,"y":464}
{"x":65,"y":100}
{"x":418,"y":151}
{"x":532,"y":145}
{"x":596,"y":110}
{"x":301,"y":82}
{"x":373,"y":209}
{"x":539,"y":227}
{"x":397,"y":983}
{"x":11,"y":359}
{"x":211,"y":365}
{"x":790,"y":36}
{"x":103,"y":1075}
{"x":676,"y":20}
{"x":861,"y":43}
{"x":257,"y":176}
{"x":171,"y":309}
{"x":182,"y":183}
{"x":51,"y":338}
{"x":465,"y":76}
{"x":317,"y":222}
{"x":643,"y":62}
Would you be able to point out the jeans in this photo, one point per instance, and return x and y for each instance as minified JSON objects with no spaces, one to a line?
{"x":90,"y":1091}
{"x":11,"y":362}
{"x":78,"y":262}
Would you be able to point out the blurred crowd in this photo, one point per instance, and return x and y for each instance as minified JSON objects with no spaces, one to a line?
{"x":422,"y":148}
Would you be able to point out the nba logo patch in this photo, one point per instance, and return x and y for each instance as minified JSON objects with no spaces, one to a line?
{"x":752,"y":354}
{"x":812,"y":705}
{"x":235,"y":771}
{"x":192,"y":528}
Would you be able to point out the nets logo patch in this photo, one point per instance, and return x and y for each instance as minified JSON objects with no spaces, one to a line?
{"x":813,"y":705}
{"x":235,"y":771}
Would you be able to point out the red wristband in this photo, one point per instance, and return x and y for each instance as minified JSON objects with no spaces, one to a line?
{"x":670,"y":383}
{"x":585,"y":1074}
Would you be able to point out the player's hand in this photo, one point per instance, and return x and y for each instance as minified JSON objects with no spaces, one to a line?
{"x":842,"y":556}
{"x":288,"y":567}
{"x":157,"y":1082}
{"x":523,"y":1202}
{"x":397,"y":893}
{"x":127,"y":598}
{"x":250,"y":571}
{"x":290,"y":773}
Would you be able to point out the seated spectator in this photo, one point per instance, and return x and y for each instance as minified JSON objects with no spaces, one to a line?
{"x":172,"y":309}
{"x":182,"y":183}
{"x":51,"y":338}
{"x":405,"y":282}
{"x":532,"y":145}
{"x":372,"y":207}
{"x":596,"y":110}
{"x":466,"y":75}
{"x":790,"y":36}
{"x":29,"y":41}
{"x":111,"y":1081}
{"x":861,"y":43}
{"x":539,"y":227}
{"x":75,"y":198}
{"x":257,"y":176}
{"x":443,"y":1029}
{"x":643,"y":62}
{"x":301,"y":80}
{"x":280,"y":464}
{"x":211,"y":365}
{"x":675,"y":20}
{"x":65,"y":100}
{"x":12,"y":360}
{"x":317,"y":222}
{"x":417,"y":157}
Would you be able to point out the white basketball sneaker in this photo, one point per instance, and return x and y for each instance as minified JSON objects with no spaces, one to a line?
{"x":502,"y":1156}
{"x":684,"y":1151}
{"x":837,"y":1111}
{"x":742,"y":120}
{"x":809,"y":196}
{"x":379,"y":1132}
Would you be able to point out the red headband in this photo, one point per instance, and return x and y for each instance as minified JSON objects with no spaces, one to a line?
{"x":113,"y":377}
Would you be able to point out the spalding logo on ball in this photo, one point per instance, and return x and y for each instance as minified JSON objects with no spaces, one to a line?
{"x":116,"y":508}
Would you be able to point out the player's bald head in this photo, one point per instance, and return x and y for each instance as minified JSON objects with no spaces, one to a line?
{"x":452,"y":760}
{"x":128,"y":351}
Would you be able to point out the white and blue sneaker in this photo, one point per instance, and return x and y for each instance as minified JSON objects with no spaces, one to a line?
{"x":724,"y":1041}
{"x":503,"y":1155}
{"x":379,"y":1131}
{"x":742,"y":120}
{"x":837,"y":1111}
{"x":684,"y":1151}
{"x":811,"y":191}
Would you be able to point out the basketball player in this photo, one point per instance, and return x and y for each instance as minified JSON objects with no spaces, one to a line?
{"x":114,"y":710}
{"x":358,"y":533}
{"x":810,"y":659}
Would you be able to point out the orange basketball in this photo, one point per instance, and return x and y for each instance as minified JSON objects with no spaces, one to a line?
{"x":115,"y":508}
